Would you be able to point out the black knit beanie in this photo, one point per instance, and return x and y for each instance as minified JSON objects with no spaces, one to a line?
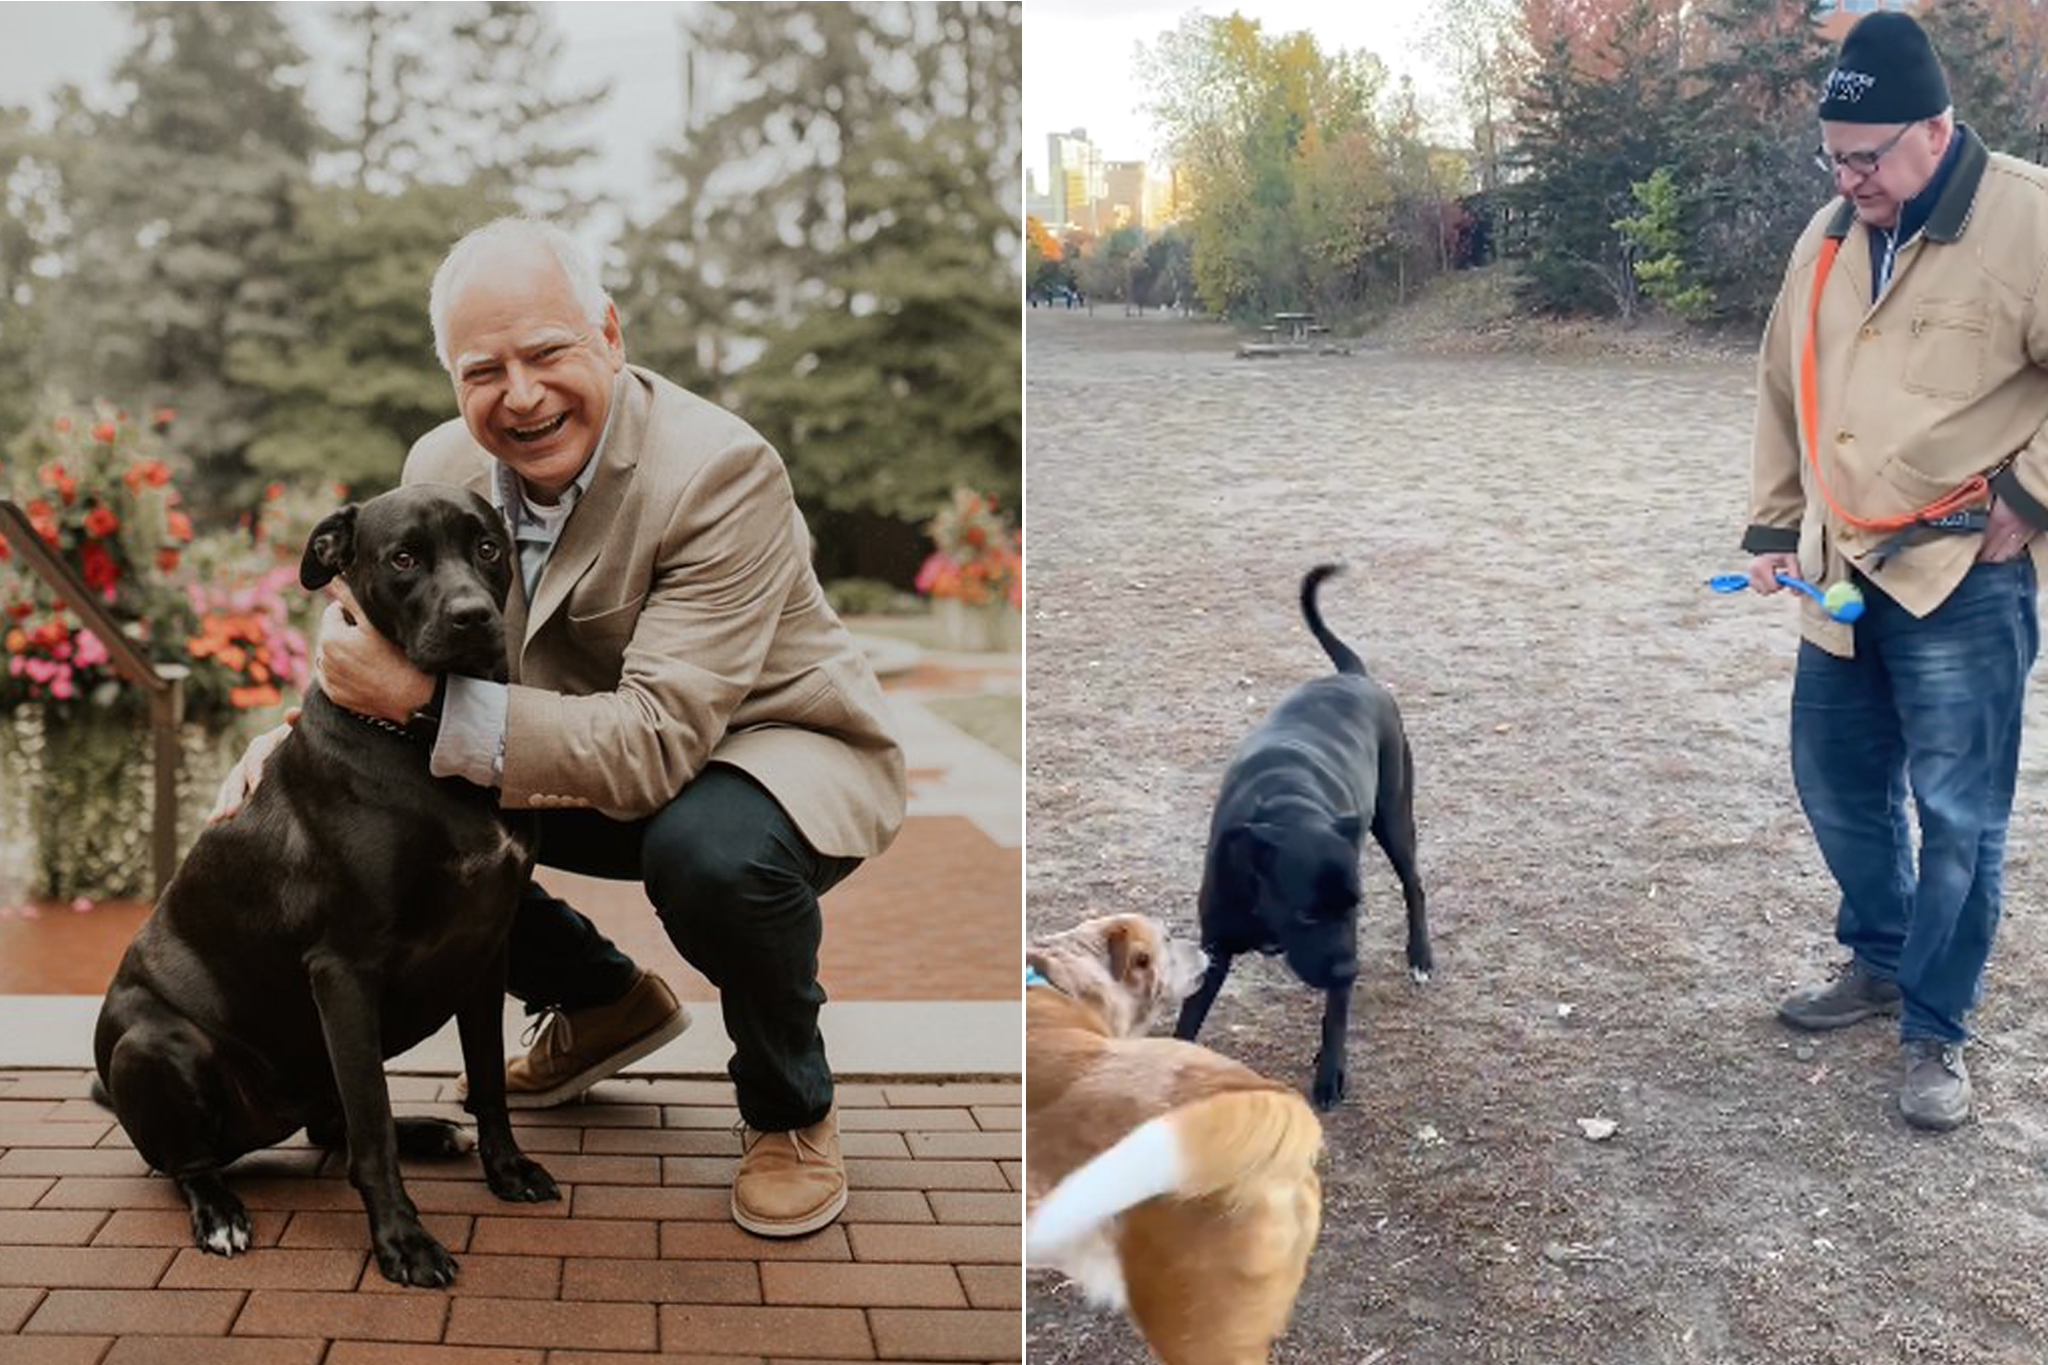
{"x":1887,"y":73}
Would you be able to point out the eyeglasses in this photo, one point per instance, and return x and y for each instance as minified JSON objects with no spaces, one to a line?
{"x":1858,"y":164}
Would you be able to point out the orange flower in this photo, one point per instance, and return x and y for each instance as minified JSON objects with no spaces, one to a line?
{"x":63,"y":424}
{"x":103,"y":432}
{"x":178,"y":524}
{"x":101,"y":521}
{"x":17,"y":640}
{"x":51,"y":474}
{"x":163,"y":417}
{"x":43,"y":518}
{"x":167,"y":559}
{"x":246,"y":697}
{"x":5,"y":553}
{"x":272,"y":492}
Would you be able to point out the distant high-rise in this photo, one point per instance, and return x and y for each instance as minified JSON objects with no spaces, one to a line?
{"x":1076,"y":180}
{"x":1037,"y":203}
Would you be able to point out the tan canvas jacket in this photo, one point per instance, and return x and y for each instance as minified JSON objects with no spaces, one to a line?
{"x":678,"y":622}
{"x":1944,"y":377}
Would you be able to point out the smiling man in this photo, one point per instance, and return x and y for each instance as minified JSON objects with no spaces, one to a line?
{"x":1902,"y":443}
{"x":684,"y":709}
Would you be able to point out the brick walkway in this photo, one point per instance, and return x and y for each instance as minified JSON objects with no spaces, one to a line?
{"x":639,"y":1261}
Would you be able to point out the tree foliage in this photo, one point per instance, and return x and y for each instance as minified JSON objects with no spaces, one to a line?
{"x":839,"y":254}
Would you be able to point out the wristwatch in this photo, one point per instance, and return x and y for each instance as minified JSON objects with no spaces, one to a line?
{"x":426,"y":720}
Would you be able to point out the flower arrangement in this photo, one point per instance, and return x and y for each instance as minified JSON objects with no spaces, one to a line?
{"x":101,"y":496}
{"x":978,"y":559}
{"x":99,"y":489}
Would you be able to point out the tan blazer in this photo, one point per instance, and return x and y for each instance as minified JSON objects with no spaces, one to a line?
{"x":677,"y":623}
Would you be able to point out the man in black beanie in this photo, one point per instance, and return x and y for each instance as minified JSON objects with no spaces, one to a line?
{"x":1902,"y":445}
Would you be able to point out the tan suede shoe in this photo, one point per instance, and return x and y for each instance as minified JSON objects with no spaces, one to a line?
{"x":790,"y":1183}
{"x":573,"y":1050}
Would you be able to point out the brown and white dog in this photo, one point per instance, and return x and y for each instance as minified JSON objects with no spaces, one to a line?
{"x":1165,"y":1180}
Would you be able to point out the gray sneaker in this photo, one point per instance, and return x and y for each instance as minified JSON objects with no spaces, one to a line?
{"x":1936,"y":1094}
{"x":1853,"y":996}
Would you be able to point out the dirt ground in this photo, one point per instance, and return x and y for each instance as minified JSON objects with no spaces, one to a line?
{"x":1620,"y":879}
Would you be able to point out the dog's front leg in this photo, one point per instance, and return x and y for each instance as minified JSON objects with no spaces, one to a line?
{"x":406,"y":1252}
{"x":1330,"y":1058}
{"x":1196,"y":1008}
{"x":510,"y":1173}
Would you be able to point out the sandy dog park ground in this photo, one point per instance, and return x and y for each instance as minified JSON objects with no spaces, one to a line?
{"x":1620,"y":879}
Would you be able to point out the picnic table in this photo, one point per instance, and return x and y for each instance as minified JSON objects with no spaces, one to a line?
{"x":1291,"y":334}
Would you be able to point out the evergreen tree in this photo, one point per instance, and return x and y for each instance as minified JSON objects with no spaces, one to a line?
{"x":180,"y":208}
{"x":1592,"y":126}
{"x":839,"y":258}
{"x":356,"y":381}
{"x":1976,"y":56}
{"x":1744,"y":172}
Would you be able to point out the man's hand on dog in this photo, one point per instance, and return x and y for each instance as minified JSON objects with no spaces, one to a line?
{"x":360,"y":670}
{"x":248,"y":770}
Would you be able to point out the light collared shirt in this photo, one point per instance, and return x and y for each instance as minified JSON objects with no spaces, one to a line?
{"x":471,"y":743}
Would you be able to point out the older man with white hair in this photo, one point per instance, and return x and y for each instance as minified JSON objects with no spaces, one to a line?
{"x":684,"y":708}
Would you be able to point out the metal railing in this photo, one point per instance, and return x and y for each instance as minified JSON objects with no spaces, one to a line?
{"x":164,"y":683}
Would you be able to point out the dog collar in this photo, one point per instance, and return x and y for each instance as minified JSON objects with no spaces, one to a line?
{"x":1034,"y":977}
{"x":402,"y":731}
{"x":425,"y":724}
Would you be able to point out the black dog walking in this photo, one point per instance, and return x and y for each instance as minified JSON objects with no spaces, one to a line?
{"x":1328,"y":763}
{"x":345,"y":912}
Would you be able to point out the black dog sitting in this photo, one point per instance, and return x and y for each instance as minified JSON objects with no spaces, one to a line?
{"x":342,"y":914}
{"x":1329,"y":762}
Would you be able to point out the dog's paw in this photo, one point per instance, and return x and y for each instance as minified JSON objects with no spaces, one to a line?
{"x":521,"y":1180}
{"x":408,"y":1254}
{"x":1420,"y":975}
{"x":433,"y":1139}
{"x":224,"y":1232}
{"x":1329,"y":1088}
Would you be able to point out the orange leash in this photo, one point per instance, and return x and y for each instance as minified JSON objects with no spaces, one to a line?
{"x":1971,"y":491}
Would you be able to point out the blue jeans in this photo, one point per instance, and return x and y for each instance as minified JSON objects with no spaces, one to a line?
{"x":1929,"y":705}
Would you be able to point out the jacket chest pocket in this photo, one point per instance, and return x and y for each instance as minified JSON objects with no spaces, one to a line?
{"x":604,"y":633}
{"x":1945,"y":350}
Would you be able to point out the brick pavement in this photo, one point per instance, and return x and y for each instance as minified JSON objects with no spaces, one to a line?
{"x":638,"y":1262}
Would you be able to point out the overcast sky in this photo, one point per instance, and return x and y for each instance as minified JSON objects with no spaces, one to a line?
{"x":635,"y":50}
{"x":1080,"y":67}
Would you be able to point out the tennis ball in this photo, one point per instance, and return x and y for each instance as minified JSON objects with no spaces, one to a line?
{"x":1843,"y":601}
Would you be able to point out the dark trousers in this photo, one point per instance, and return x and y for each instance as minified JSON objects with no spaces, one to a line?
{"x":736,"y":886}
{"x":1928,"y":709}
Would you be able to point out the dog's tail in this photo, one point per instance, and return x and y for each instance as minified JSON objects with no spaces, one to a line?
{"x":1339,"y":652}
{"x":1224,"y":1145}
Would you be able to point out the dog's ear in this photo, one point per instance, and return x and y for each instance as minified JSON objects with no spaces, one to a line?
{"x":1117,"y":941}
{"x":1349,"y":827}
{"x":330,"y":549}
